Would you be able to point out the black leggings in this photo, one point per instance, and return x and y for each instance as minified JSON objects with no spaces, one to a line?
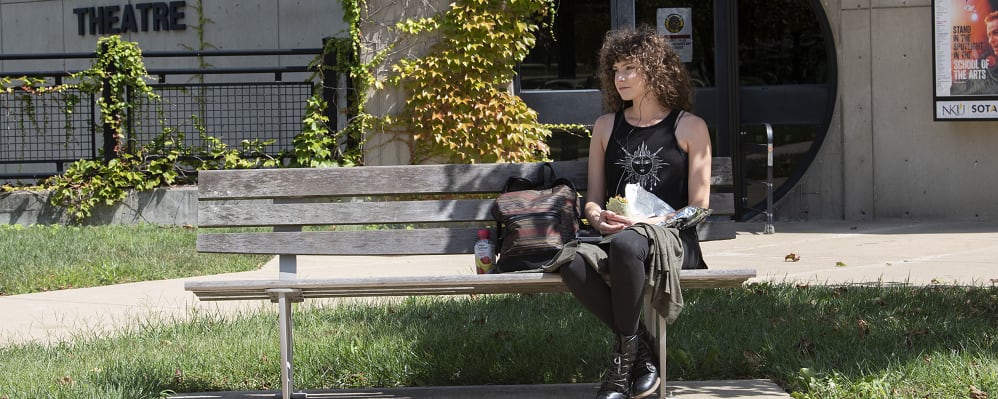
{"x":618,"y":306}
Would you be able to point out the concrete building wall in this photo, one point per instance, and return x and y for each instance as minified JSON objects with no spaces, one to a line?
{"x":884,"y":157}
{"x":227,"y":25}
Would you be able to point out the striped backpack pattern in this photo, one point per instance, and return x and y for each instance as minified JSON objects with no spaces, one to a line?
{"x":534,"y":221}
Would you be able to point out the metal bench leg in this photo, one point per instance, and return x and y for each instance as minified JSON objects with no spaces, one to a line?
{"x":287,"y":374}
{"x":287,"y":342}
{"x":658,"y":330}
{"x":662,"y":391}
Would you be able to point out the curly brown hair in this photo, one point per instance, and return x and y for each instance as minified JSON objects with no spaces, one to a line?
{"x":666,"y":75}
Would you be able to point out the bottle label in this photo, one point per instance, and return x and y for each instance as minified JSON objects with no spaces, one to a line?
{"x":484,"y":256}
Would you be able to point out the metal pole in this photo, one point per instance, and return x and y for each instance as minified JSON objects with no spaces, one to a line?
{"x":287,"y":376}
{"x":769,"y":180}
{"x":727,"y":82}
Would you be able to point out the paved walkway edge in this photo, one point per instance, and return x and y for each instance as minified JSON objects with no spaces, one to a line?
{"x":760,"y":389}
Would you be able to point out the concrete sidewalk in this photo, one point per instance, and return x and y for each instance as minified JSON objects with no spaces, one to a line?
{"x":906,"y":252}
{"x":910,"y":252}
{"x":753,"y":389}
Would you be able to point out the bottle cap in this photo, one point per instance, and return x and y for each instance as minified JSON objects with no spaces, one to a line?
{"x":483,"y":234}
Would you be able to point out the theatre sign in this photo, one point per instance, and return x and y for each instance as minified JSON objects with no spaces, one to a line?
{"x":130,"y":18}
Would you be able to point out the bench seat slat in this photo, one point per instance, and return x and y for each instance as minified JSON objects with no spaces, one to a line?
{"x":434,"y":285}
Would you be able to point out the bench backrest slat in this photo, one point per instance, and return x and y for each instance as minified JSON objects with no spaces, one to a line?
{"x":372,"y":180}
{"x":335,"y":213}
{"x":389,"y":180}
{"x":350,"y":213}
{"x":437,"y":241}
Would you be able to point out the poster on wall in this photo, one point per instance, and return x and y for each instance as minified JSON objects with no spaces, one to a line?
{"x":965,"y":55}
{"x":676,"y":24}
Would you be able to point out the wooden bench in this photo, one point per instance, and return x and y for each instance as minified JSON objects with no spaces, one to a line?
{"x":432,"y":201}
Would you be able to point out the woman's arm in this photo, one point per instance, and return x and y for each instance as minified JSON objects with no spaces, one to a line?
{"x":602,"y":220}
{"x":694,"y":138}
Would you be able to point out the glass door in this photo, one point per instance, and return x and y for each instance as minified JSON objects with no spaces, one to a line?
{"x":753,"y":62}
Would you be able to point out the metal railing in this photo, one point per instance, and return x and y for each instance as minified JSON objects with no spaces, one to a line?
{"x":231,"y":104}
{"x":754,"y":148}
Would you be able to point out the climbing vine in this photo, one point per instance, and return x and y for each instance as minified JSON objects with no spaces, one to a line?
{"x":458,"y":106}
{"x":317,"y":145}
{"x":118,"y":68}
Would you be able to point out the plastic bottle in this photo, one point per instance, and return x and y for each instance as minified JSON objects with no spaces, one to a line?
{"x":485,"y":252}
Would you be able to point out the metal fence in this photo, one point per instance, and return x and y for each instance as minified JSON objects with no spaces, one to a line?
{"x":47,"y":127}
{"x":232,"y":112}
{"x":41,"y":132}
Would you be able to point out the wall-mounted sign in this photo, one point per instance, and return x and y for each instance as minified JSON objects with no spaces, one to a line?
{"x":676,"y":24}
{"x":128,"y":18}
{"x":965,"y":56}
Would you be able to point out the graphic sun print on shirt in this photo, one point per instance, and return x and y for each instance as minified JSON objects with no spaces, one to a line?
{"x":642,"y":166}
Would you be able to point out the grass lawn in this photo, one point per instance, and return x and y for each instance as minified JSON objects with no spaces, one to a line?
{"x":814,"y":341}
{"x":43,"y":258}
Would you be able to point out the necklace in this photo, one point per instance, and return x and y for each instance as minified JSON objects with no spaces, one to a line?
{"x":634,"y":126}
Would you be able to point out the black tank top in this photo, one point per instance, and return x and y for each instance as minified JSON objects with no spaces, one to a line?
{"x":649,"y":156}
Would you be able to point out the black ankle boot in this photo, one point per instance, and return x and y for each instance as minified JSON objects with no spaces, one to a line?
{"x":617,"y":380}
{"x":644,"y":376}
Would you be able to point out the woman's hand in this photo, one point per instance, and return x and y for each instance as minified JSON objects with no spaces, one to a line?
{"x":610,"y":222}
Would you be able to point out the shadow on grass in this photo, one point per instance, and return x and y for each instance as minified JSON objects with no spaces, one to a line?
{"x":819,"y":342}
{"x":800,"y":337}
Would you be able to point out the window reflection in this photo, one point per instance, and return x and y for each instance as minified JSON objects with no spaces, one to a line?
{"x":568,"y":59}
{"x":780,"y":42}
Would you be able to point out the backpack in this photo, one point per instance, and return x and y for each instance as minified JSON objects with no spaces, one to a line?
{"x":534,"y":220}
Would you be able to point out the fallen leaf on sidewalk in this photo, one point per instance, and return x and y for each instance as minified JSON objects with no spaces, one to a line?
{"x":791,"y":257}
{"x":840,"y":264}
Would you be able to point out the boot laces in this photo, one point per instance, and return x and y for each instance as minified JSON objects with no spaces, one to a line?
{"x":615,"y":379}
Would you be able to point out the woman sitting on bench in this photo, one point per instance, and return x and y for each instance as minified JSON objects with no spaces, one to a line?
{"x":652,"y":140}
